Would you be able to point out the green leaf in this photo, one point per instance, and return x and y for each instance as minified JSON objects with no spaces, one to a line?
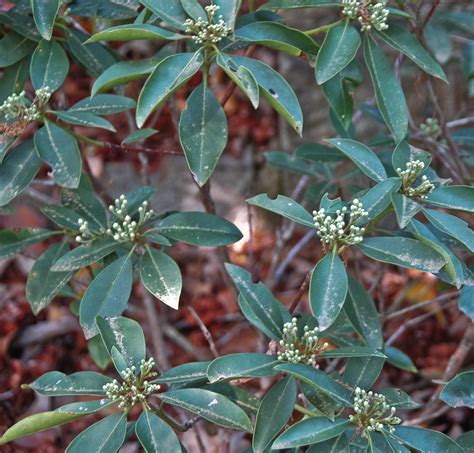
{"x":126,"y":336}
{"x":362,"y":156}
{"x":466,"y":299}
{"x":36,"y":423}
{"x":319,"y":380}
{"x":194,"y":9}
{"x":263,"y":310}
{"x":319,"y":153}
{"x":328,"y":289}
{"x":339,"y":96}
{"x":13,"y":81}
{"x":291,"y":4}
{"x":405,"y":152}
{"x":363,"y":315}
{"x":86,"y":254}
{"x":209,"y":405}
{"x":132,"y":32}
{"x":202,"y":133}
{"x":105,"y":436}
{"x":399,"y":359}
{"x":17,"y":171}
{"x":310,"y":431}
{"x":274,"y":411}
{"x":171,"y":11}
{"x":241,"y":365}
{"x":97,"y":350}
{"x":123,"y":72}
{"x":378,"y":198}
{"x":404,"y":252}
{"x":85,"y":119}
{"x":338,"y":50}
{"x":351,"y":351}
{"x":402,"y":40}
{"x":153,"y":236}
{"x":452,"y":226}
{"x":49,"y":66}
{"x":290,"y":162}
{"x":155,"y":435}
{"x":139,"y":136}
{"x":63,"y":217}
{"x":20,"y":23}
{"x":285,"y":207}
{"x":168,"y":76}
{"x":190,"y":372}
{"x":277,"y":36}
{"x":44,"y":14}
{"x":13,"y":48}
{"x":405,"y":209}
{"x":242,"y":77}
{"x":199,"y":228}
{"x":388,"y":92}
{"x":13,"y":242}
{"x":426,"y":440}
{"x":84,"y":407}
{"x":453,"y":197}
{"x":103,"y":104}
{"x":335,"y":444}
{"x":161,"y":276}
{"x":42,"y":284}
{"x":228,"y":9}
{"x":107,"y":295}
{"x":276,"y":90}
{"x":94,"y":56}
{"x":60,"y":151}
{"x":55,"y":383}
{"x":399,"y":399}
{"x":362,"y":372}
{"x":459,"y":391}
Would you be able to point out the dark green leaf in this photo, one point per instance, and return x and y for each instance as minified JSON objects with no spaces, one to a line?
{"x":84,"y":407}
{"x":453,"y":197}
{"x":161,"y":276}
{"x":228,"y":9}
{"x":60,"y":150}
{"x":155,"y":435}
{"x":377,"y":199}
{"x":14,"y":47}
{"x":399,"y":399}
{"x":290,"y":4}
{"x":405,"y":209}
{"x":132,"y":32}
{"x":351,"y":351}
{"x":13,"y":242}
{"x":466,"y":301}
{"x":49,"y":66}
{"x":362,"y":372}
{"x":44,"y":14}
{"x":388,"y":92}
{"x":290,"y":162}
{"x":426,"y":440}
{"x":187,"y":373}
{"x":194,"y":9}
{"x":203,"y":132}
{"x":103,"y":104}
{"x":405,"y":153}
{"x":274,"y":411}
{"x":319,"y":153}
{"x":17,"y":171}
{"x":21,"y":23}
{"x":459,"y":391}
{"x":338,"y":50}
{"x":85,"y":119}
{"x":107,"y":295}
{"x":139,"y":136}
{"x":399,"y":359}
{"x":63,"y":217}
{"x":328,"y":289}
{"x":13,"y":80}
{"x":339,"y":96}
{"x":170,"y":10}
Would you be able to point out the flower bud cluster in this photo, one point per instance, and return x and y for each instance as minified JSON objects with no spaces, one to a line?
{"x":300,"y":349}
{"x":17,"y":107}
{"x":124,"y":228}
{"x":85,"y":234}
{"x":372,"y":413}
{"x":208,"y":31}
{"x":369,"y":13}
{"x":134,"y":388}
{"x":338,"y":230}
{"x":431,"y":128}
{"x":409,"y":175}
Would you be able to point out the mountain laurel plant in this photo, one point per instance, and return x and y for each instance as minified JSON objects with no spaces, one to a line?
{"x":396,"y":210}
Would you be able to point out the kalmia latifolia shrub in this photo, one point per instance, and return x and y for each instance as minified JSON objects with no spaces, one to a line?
{"x":404,"y":199}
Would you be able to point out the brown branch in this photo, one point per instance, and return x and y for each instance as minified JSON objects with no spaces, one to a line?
{"x":205,"y":332}
{"x":300,"y":293}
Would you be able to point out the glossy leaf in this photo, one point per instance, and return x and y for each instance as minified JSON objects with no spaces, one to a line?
{"x":328,"y":289}
{"x":404,"y":153}
{"x":388,"y":92}
{"x":187,"y":373}
{"x":44,"y":14}
{"x":17,"y":171}
{"x":84,"y":407}
{"x":453,"y":197}
{"x":284,"y":206}
{"x":13,"y":242}
{"x":399,"y":359}
{"x":264,"y":311}
{"x":338,"y":50}
{"x":362,"y":372}
{"x":103,"y":104}
{"x":315,"y":152}
{"x":466,"y":301}
{"x":377,"y":199}
{"x":228,"y":9}
{"x":273,"y":413}
{"x":105,"y":436}
{"x":351,"y":351}
{"x":14,"y":47}
{"x":276,"y":90}
{"x":402,"y":40}
{"x":339,"y":97}
{"x":86,"y":254}
{"x":199,"y":228}
{"x":49,"y":66}
{"x":291,"y":4}
{"x":63,"y":217}
{"x":139,"y":136}
{"x":194,"y":9}
{"x":132,"y":32}
{"x":170,"y":10}
{"x":124,"y":334}
{"x":42,"y":284}
{"x":155,"y":435}
{"x":202,"y":133}
{"x":310,"y":431}
{"x":60,"y":151}
{"x":405,"y":209}
{"x":426,"y":440}
{"x":362,"y":156}
{"x":168,"y":76}
{"x":399,"y":399}
{"x":107,"y":295}
{"x":209,"y":405}
{"x":85,"y":119}
{"x":404,"y":252}
{"x":242,"y":365}
{"x":161,"y":276}
{"x":459,"y":391}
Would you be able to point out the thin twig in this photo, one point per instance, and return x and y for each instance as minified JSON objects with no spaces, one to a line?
{"x":300,"y":293}
{"x":205,"y":332}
